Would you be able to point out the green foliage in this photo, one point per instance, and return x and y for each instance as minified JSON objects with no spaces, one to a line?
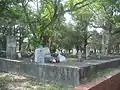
{"x":3,"y":42}
{"x":48,"y":22}
{"x":117,"y":18}
{"x":95,"y":40}
{"x":75,"y":5}
{"x":101,"y":73}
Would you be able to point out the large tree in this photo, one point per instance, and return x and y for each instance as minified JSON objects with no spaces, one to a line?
{"x":106,"y":17}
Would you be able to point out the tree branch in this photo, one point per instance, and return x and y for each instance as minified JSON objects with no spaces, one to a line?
{"x":27,"y":17}
{"x":82,"y":6}
{"x":77,"y":8}
{"x":79,"y":3}
{"x":96,"y":26}
{"x":89,"y":36}
{"x":2,"y":5}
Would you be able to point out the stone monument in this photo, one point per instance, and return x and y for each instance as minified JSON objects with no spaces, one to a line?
{"x":74,"y":51}
{"x":79,"y":56}
{"x":11,"y":47}
{"x":87,"y":51}
{"x":39,"y":55}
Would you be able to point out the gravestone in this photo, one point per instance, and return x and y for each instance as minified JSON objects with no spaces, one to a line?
{"x":46,"y":51}
{"x":19,"y":55}
{"x":87,"y":51}
{"x":11,"y":47}
{"x":74,"y":51}
{"x":39,"y":55}
{"x":79,"y":56}
{"x":47,"y":54}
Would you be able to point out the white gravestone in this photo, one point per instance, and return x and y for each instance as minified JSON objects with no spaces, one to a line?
{"x":19,"y":55}
{"x":74,"y":51}
{"x":46,"y":51}
{"x":87,"y":51}
{"x":79,"y":55}
{"x":39,"y":55}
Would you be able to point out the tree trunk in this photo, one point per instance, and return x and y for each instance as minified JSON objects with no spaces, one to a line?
{"x":20,"y":43}
{"x":109,"y":44}
{"x":84,"y":52}
{"x":28,"y":20}
{"x":20,"y":46}
{"x":117,"y":48}
{"x":110,"y":28}
{"x":77,"y":48}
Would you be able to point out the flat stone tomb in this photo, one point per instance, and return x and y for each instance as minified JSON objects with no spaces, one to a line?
{"x":69,"y":73}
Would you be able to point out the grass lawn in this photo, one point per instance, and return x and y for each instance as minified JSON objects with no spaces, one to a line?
{"x":14,"y":82}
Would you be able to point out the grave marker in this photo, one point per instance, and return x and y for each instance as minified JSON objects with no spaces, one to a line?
{"x":39,"y":55}
{"x":11,"y":47}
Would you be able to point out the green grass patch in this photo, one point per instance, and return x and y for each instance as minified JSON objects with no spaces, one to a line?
{"x":100,"y":73}
{"x":7,"y":80}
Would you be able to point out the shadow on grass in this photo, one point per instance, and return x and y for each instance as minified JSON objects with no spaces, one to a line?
{"x":3,"y":82}
{"x":11,"y":82}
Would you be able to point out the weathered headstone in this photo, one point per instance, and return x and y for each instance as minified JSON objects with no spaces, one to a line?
{"x":105,"y":39}
{"x":46,"y":51}
{"x":11,"y":47}
{"x":79,"y":56}
{"x":74,"y":51}
{"x":87,"y":51}
{"x":39,"y":55}
{"x":47,"y":54}
{"x":19,"y":55}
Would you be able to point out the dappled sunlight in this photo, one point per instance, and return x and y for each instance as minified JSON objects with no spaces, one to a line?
{"x":14,"y":82}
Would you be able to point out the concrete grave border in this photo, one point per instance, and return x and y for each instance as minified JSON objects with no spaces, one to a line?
{"x":63,"y":74}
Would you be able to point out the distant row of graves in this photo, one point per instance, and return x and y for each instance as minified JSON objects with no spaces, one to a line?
{"x":41,"y":54}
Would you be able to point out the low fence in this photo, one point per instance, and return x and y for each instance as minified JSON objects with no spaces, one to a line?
{"x":66,"y":75}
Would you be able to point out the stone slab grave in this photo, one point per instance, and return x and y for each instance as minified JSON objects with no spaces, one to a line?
{"x":64,"y":73}
{"x":11,"y":47}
